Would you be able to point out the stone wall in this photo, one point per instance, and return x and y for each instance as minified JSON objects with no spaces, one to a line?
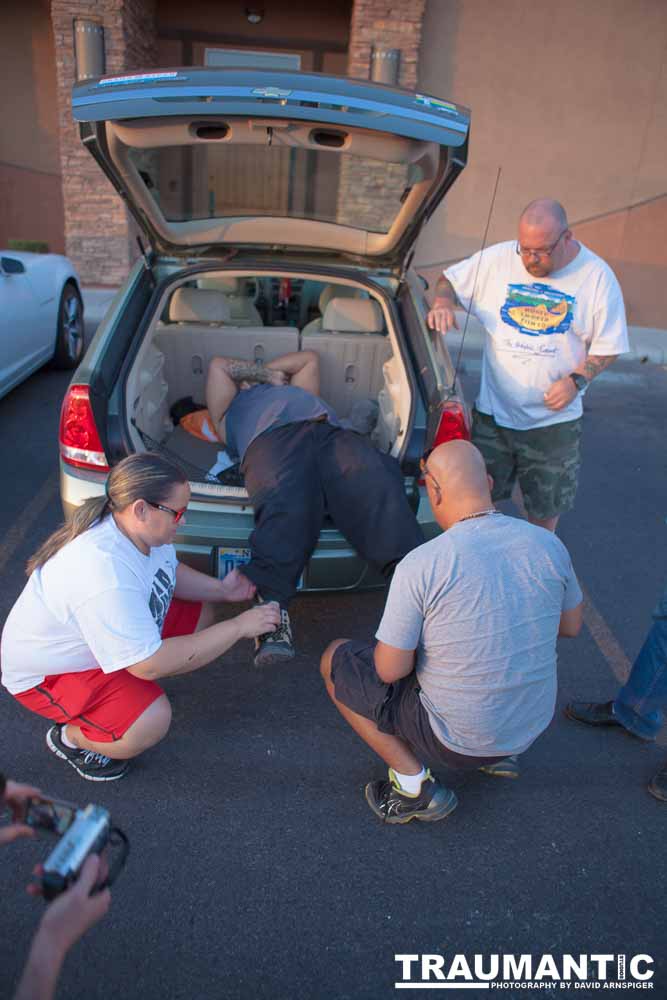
{"x":99,"y":236}
{"x":381,"y":23}
{"x":368,"y":194}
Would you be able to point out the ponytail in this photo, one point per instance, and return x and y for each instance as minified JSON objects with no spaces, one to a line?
{"x":84,"y":517}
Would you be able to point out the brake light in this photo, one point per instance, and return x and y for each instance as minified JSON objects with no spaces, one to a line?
{"x":80,"y":443}
{"x":453,"y":425}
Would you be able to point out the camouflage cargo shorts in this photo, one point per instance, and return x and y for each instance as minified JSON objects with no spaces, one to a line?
{"x":544,"y":460}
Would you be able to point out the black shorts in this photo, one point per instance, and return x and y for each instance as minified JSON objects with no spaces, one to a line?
{"x":396,"y":709}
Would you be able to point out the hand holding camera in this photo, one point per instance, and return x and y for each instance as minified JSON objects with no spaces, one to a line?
{"x":17,"y":798}
{"x":75,"y":872}
{"x":82,"y":833}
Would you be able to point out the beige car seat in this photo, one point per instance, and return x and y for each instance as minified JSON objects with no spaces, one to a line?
{"x":198,"y":305}
{"x":242,"y":309}
{"x":328,"y":293}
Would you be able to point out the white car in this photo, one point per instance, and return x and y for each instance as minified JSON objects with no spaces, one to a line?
{"x":41,"y":315}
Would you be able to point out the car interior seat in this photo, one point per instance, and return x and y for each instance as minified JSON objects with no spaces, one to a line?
{"x":242,"y":309}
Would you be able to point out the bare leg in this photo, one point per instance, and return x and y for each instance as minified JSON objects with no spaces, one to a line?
{"x":393,"y":750}
{"x":151,"y":726}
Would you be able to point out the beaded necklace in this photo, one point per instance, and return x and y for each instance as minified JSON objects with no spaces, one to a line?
{"x":479,"y":513}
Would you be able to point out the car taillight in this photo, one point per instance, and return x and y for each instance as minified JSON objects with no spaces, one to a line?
{"x":80,"y":443}
{"x":453,"y":424}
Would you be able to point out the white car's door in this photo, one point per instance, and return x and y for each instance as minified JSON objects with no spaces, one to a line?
{"x":24,"y":341}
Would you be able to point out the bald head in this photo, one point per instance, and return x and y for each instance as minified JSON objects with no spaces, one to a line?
{"x":458,"y":469}
{"x":545,"y":241}
{"x":544,"y":213}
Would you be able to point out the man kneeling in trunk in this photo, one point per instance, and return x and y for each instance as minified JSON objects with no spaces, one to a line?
{"x":464,"y":672}
{"x":300,"y":464}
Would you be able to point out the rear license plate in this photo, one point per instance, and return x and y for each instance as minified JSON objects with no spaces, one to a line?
{"x":229,"y":559}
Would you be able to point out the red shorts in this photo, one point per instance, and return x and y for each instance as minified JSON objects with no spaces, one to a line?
{"x":104,"y":706}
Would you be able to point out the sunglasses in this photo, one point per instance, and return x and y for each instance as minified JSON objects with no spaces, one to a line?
{"x":176,"y":514}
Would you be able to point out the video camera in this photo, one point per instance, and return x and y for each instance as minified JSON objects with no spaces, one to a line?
{"x":82,"y":831}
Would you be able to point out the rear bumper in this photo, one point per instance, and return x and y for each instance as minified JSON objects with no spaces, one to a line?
{"x":334,"y":565}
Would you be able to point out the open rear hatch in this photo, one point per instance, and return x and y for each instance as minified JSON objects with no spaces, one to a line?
{"x":209,"y":159}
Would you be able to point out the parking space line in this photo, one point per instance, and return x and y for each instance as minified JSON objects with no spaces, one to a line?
{"x":602,"y":635}
{"x":605,"y":640}
{"x":28,"y":518}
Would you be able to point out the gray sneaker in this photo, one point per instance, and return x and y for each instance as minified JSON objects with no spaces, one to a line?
{"x":273,"y":647}
{"x":392,"y":805}
{"x":90,"y":765}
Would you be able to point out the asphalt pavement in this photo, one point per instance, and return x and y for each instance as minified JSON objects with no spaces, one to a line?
{"x":256,"y":868}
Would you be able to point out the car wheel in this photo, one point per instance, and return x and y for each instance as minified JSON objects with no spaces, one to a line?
{"x":69,"y":335}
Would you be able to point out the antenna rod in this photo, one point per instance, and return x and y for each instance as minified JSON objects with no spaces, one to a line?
{"x":472,"y":296}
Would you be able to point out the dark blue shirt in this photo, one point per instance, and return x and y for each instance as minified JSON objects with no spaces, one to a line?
{"x":265,"y":407}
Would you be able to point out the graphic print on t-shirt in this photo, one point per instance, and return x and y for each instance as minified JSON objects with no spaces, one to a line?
{"x":160,"y":599}
{"x":537,"y":309}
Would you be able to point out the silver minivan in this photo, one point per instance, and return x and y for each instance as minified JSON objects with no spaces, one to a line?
{"x":278,"y":212}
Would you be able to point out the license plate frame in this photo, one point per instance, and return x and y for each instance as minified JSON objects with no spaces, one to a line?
{"x":229,"y":558}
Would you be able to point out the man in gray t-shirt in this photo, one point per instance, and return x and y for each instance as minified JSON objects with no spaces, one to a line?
{"x":464,"y":670}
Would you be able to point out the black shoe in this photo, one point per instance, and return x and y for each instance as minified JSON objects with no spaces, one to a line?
{"x":432,"y":802}
{"x":90,"y":765}
{"x":506,"y":768}
{"x":593,"y":713}
{"x":657,"y":786}
{"x":273,"y":647}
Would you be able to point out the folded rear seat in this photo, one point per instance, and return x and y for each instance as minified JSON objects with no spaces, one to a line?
{"x":352,"y":349}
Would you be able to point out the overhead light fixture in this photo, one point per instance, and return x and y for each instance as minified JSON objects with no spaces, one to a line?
{"x":254,"y":14}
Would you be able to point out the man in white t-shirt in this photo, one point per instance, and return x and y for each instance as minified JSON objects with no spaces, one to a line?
{"x":464,"y":670}
{"x":554,"y":317}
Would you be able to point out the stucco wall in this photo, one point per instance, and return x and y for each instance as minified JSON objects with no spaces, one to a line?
{"x":31,"y":205}
{"x":568,"y":100}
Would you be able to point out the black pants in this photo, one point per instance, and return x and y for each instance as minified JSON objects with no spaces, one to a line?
{"x":297,"y":474}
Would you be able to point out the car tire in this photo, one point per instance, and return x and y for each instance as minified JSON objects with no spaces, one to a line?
{"x":70,"y":329}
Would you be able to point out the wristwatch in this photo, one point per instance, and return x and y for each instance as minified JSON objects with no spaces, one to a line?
{"x":580,"y":381}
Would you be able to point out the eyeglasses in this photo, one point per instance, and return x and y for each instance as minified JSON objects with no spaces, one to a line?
{"x":176,"y":514}
{"x":524,"y":252}
{"x":425,"y":471}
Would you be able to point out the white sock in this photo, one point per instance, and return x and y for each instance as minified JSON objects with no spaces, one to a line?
{"x":409,"y":783}
{"x":66,"y":740}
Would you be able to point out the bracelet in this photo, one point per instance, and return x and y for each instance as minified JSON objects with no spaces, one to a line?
{"x":580,"y":381}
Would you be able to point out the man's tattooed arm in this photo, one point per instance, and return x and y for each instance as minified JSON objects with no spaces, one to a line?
{"x":245,"y":371}
{"x":596,"y":363}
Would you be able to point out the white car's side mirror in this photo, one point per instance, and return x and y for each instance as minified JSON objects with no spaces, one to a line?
{"x":10,"y":265}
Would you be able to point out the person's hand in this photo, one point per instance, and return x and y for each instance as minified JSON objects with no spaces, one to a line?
{"x":74,"y":912}
{"x":442,"y":316}
{"x":236,"y":587}
{"x":260,"y":619}
{"x":16,"y":797}
{"x":277,"y":377}
{"x":560,"y":393}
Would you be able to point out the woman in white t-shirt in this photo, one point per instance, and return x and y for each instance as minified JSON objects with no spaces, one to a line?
{"x":108,"y":610}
